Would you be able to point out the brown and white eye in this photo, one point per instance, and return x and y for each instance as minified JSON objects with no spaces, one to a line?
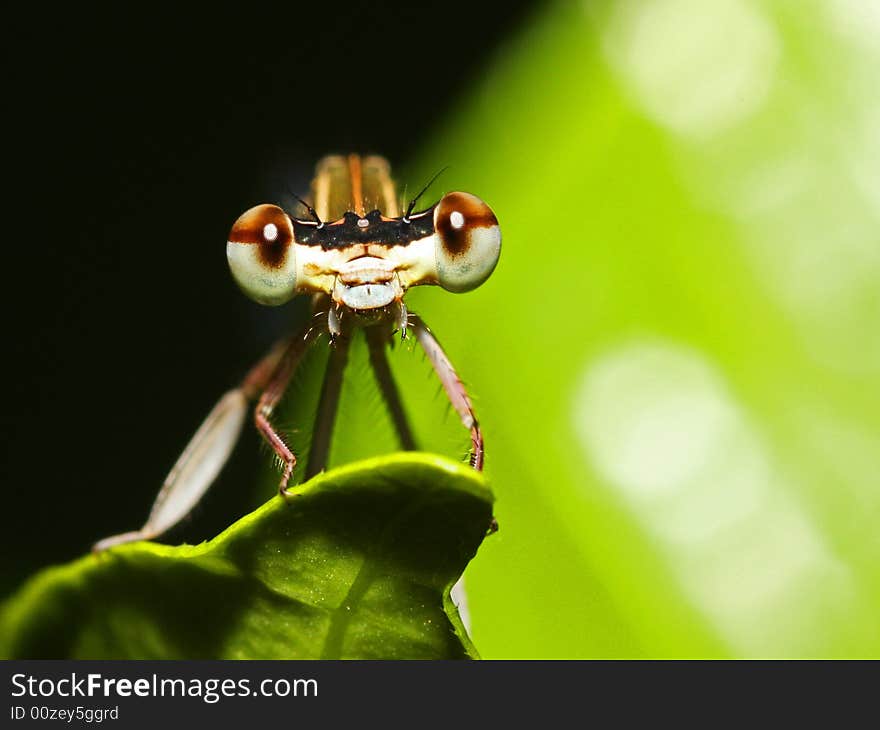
{"x":467,"y":241}
{"x":261,"y":255}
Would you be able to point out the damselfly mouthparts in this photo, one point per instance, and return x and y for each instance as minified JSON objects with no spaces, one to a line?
{"x":356,"y":254}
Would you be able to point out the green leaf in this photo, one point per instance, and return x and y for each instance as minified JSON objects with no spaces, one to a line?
{"x":677,"y":360}
{"x":358,"y":564}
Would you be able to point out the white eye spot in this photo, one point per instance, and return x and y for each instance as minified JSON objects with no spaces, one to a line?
{"x":363,"y":222}
{"x":456,"y":219}
{"x":270,"y":232}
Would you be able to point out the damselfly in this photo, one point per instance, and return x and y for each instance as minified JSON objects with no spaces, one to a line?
{"x":356,"y":254}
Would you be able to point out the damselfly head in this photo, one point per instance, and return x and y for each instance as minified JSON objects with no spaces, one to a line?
{"x":364,"y":261}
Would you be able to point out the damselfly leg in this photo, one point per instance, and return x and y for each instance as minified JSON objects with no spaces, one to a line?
{"x":210,"y":448}
{"x":453,"y":386}
{"x":378,"y":339}
{"x":328,"y":405}
{"x":272,"y":394}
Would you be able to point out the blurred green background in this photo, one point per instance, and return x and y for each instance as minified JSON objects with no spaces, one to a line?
{"x":677,"y":361}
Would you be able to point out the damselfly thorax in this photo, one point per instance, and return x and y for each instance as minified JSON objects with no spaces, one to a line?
{"x":356,"y":251}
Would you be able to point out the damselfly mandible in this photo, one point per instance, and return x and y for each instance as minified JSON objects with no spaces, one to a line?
{"x":356,"y":254}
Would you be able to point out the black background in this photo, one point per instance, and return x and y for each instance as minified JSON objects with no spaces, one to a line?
{"x":135,"y":136}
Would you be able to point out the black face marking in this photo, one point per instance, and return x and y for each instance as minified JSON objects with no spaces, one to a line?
{"x":346,"y":231}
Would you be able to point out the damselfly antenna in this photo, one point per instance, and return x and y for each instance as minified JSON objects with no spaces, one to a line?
{"x":412,"y":203}
{"x":308,"y":207}
{"x":357,"y":263}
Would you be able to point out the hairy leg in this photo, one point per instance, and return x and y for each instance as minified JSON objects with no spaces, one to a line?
{"x":453,"y":386}
{"x":272,"y":394}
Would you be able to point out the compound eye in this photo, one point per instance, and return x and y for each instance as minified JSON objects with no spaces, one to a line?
{"x":260,"y":251}
{"x":468,"y":241}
